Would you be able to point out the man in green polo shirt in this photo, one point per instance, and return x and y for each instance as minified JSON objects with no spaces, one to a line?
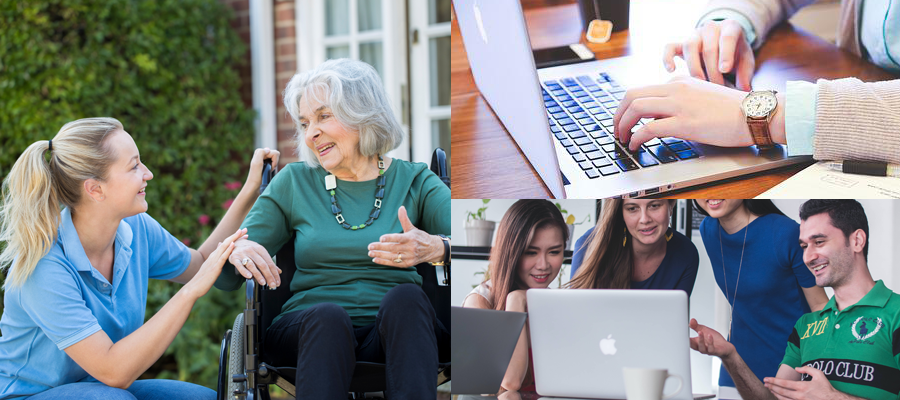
{"x":849,"y":349}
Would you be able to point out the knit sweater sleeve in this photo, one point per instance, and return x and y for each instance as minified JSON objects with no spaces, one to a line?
{"x":857,"y":120}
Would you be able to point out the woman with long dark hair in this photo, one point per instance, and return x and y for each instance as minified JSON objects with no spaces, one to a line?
{"x":776,"y":288}
{"x":633,"y":247}
{"x":527,"y":254}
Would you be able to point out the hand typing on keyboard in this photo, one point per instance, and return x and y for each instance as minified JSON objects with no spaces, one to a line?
{"x":690,"y":109}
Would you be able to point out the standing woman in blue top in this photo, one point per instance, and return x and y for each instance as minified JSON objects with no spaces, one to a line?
{"x":76,"y":287}
{"x":632,"y":246}
{"x":776,"y":288}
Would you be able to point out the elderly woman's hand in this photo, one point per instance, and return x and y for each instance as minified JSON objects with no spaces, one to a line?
{"x":254,"y":177}
{"x":252,"y":260}
{"x":407,"y":249}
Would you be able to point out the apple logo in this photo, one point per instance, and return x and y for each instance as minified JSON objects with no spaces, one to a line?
{"x":479,"y":22}
{"x":608,"y":345}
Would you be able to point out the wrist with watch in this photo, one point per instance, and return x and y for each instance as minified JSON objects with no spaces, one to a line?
{"x":446,"y":261}
{"x":759,"y":108}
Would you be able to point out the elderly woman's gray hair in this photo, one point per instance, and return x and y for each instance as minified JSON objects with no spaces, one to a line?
{"x":354,"y":93}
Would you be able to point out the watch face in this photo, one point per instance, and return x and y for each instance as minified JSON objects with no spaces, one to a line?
{"x":759,"y":104}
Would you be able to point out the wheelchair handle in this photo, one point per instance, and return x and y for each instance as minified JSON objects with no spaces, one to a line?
{"x":267,"y":174}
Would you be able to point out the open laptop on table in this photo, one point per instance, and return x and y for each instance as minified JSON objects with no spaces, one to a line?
{"x":561,"y":117}
{"x":581,"y":340}
{"x":481,"y":347}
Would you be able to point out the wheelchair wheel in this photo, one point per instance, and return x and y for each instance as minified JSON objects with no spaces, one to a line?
{"x":236,"y":358}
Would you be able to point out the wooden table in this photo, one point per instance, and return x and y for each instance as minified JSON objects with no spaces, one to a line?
{"x":488,"y":164}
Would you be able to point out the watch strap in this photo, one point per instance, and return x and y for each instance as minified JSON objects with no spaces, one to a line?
{"x":759,"y":130}
{"x":446,"y":241}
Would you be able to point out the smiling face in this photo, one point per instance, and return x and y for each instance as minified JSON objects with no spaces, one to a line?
{"x":826,"y":251}
{"x":124,"y":187}
{"x":646,"y":220}
{"x":543,"y":258}
{"x":335,"y":146}
{"x":718,"y":208}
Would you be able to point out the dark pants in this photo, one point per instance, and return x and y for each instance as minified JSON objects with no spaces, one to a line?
{"x":323,"y":343}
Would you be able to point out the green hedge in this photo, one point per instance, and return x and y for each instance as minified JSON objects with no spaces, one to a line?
{"x":167,"y":70}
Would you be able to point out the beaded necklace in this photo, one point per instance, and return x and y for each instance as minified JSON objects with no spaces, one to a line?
{"x":331,"y":184}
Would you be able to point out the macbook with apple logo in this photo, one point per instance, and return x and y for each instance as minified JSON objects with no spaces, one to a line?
{"x":581,"y":339}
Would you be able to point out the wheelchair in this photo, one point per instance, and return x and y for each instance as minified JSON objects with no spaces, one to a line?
{"x":243,"y":371}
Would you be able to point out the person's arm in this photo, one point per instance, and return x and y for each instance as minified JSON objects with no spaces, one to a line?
{"x":710,"y":342}
{"x":518,"y":364}
{"x":419,"y":241}
{"x":763,"y":15}
{"x":580,"y":252}
{"x":120,"y":364}
{"x":816,"y":298}
{"x":234,"y":216}
{"x":857,"y":120}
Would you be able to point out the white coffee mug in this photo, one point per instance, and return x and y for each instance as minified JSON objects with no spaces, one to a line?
{"x":648,"y":383}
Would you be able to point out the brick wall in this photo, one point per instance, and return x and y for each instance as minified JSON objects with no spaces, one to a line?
{"x":285,"y":64}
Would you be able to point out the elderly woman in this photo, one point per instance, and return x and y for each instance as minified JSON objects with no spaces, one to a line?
{"x":356,"y":293}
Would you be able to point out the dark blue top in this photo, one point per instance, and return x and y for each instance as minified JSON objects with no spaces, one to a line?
{"x":769,"y":296}
{"x":678,"y":269}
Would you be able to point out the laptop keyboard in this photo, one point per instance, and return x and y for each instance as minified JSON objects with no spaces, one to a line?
{"x":581,"y":110}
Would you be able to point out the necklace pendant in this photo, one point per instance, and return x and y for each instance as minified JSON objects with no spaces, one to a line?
{"x":330,"y":182}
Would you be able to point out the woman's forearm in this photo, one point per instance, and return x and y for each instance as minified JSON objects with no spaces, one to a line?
{"x":232,"y":219}
{"x":518,"y":364}
{"x":119,"y":364}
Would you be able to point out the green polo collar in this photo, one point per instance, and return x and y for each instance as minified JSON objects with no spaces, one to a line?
{"x":877,"y":297}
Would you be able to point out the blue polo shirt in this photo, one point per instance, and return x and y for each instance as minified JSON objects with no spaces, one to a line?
{"x":65,"y":300}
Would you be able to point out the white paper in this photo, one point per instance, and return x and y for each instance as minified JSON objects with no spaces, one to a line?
{"x":819,"y":182}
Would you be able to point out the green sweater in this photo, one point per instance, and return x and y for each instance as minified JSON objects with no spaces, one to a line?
{"x":333,"y":265}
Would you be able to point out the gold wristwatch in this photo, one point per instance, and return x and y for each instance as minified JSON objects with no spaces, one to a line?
{"x":758,"y":108}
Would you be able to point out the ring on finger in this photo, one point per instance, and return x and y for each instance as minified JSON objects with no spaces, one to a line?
{"x":399,"y":258}
{"x":245,"y":261}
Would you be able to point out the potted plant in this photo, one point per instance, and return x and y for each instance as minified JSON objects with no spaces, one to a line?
{"x":570,"y":223}
{"x":479,"y":231}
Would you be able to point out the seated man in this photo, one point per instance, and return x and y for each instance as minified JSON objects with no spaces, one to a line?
{"x":844,"y":351}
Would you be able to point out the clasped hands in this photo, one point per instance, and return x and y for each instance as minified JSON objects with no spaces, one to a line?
{"x":401,"y":250}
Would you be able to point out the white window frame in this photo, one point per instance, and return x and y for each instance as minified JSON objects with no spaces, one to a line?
{"x":422,"y":111}
{"x":311,"y":44}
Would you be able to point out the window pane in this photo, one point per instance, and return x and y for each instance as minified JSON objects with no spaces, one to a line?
{"x":337,"y":21}
{"x":438,"y":11}
{"x":440,"y":137}
{"x":371,"y":53}
{"x":439,"y":61}
{"x":369,"y":15}
{"x":333,"y":52}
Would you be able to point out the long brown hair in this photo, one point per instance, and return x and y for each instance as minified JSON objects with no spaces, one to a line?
{"x":516,"y":230}
{"x":608,"y":264}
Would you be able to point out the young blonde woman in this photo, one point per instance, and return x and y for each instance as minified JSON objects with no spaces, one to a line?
{"x":76,"y":286}
{"x":775,"y":289}
{"x":527,"y":254}
{"x":632,"y":247}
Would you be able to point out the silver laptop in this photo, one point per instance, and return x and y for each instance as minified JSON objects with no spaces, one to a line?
{"x":581,"y":339}
{"x":481,"y":347}
{"x":561,"y":117}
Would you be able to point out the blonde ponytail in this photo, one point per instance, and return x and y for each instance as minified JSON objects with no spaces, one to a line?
{"x":35,"y":189}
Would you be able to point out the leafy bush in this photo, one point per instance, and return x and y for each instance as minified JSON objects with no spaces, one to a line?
{"x":166,"y":69}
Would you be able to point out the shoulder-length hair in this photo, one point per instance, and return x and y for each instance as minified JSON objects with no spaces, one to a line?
{"x":607,"y":264}
{"x":354,"y":93}
{"x":514,"y":234}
